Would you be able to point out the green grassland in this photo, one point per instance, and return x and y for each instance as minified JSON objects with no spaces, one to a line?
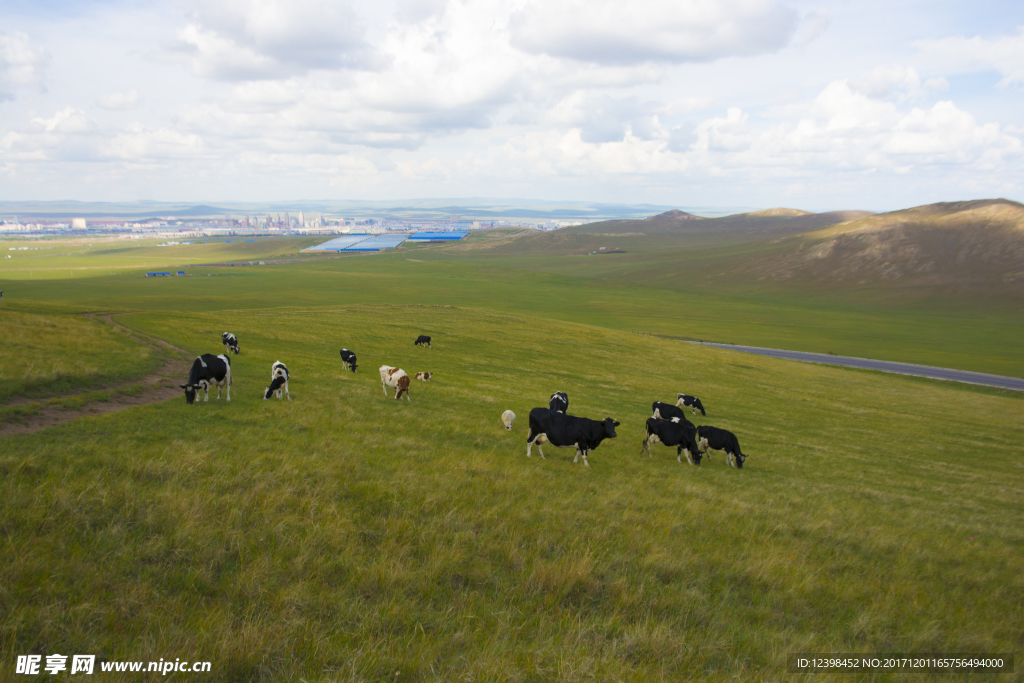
{"x":982,"y":337}
{"x":47,"y":353}
{"x":344,"y":536}
{"x":81,"y":258}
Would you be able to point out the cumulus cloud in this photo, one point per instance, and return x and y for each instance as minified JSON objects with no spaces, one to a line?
{"x":613,"y":32}
{"x":116,"y":101}
{"x":267,"y":39}
{"x":137,"y":142}
{"x":957,"y":54}
{"x":896,"y":81}
{"x":21,"y":64}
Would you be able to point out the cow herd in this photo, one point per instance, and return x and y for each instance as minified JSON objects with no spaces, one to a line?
{"x":552,"y":425}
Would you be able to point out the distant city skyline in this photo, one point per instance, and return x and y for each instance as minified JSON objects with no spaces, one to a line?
{"x":727,"y":103}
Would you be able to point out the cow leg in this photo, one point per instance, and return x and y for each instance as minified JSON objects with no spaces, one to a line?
{"x":585,"y":459}
{"x":384,"y":387}
{"x":731,"y":457}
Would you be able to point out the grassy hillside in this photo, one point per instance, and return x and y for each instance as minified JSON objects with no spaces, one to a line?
{"x":345,"y":536}
{"x":84,"y":257}
{"x":738,"y":227}
{"x":646,"y":295}
{"x":42,"y":354}
{"x":962,"y":246}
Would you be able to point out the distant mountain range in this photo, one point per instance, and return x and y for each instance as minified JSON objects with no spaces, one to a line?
{"x":756,"y":224}
{"x":472,"y":208}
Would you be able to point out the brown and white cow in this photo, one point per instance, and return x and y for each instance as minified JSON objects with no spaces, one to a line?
{"x":425,"y":376}
{"x":396,"y":379}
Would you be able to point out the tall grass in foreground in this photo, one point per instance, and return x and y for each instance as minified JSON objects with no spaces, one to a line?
{"x":348,"y":537}
{"x":42,"y":354}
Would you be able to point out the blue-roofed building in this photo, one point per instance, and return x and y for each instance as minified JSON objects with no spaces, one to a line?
{"x":377,"y":242}
{"x":438,"y":236}
{"x":338,"y":243}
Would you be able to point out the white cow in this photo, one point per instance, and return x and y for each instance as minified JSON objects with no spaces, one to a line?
{"x":397,"y":379}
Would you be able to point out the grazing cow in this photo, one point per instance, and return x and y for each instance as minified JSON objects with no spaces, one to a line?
{"x":278,"y":379}
{"x":425,"y":376}
{"x":348,"y":360}
{"x":507,"y":418}
{"x":559,"y":402}
{"x":558,"y":429}
{"x":679,"y":433}
{"x":230,"y":342}
{"x":691,"y":402}
{"x":396,"y":379}
{"x":208,"y":369}
{"x":421,"y":340}
{"x":721,"y":440}
{"x":667,"y":411}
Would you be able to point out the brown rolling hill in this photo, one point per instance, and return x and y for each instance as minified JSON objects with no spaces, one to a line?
{"x":971,"y":245}
{"x":743,"y":226}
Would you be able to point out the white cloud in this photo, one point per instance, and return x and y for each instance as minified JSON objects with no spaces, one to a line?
{"x":962,"y":55}
{"x":267,"y":39}
{"x":137,"y":143}
{"x":614,"y":32}
{"x":896,"y":81}
{"x":21,"y":64}
{"x":116,"y":101}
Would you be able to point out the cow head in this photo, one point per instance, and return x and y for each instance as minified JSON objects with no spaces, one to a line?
{"x":692,"y":447}
{"x":609,"y":427}
{"x":274,"y":386}
{"x":190,"y":393}
{"x":737,"y":460}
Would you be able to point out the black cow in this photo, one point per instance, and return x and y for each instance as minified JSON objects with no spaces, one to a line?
{"x":421,"y":340}
{"x":559,"y":402}
{"x":548,"y":426}
{"x":681,"y":434}
{"x":208,"y":369}
{"x":721,"y":440}
{"x":230,"y":342}
{"x":667,"y":411}
{"x":348,"y":359}
{"x":691,"y":402}
{"x":278,"y":379}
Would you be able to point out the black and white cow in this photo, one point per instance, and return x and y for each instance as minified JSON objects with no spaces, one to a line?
{"x":421,"y":340}
{"x":559,"y":402}
{"x":584,"y":434}
{"x":667,"y":411}
{"x":348,"y":360}
{"x":278,"y":379}
{"x":230,"y":342}
{"x":208,"y":369}
{"x":721,"y":440}
{"x":679,"y":433}
{"x":692,"y":402}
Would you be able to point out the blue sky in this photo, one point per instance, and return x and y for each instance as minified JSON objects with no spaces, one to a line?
{"x":815,"y":105}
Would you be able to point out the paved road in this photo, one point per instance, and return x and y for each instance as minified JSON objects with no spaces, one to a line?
{"x":884,"y":366}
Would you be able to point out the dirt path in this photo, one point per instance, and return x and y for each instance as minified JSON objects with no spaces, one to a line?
{"x":159,"y":386}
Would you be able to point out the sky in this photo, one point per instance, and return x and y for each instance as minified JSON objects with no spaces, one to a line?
{"x":757,"y":103}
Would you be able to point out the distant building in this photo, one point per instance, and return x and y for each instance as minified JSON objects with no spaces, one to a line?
{"x":78,"y":224}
